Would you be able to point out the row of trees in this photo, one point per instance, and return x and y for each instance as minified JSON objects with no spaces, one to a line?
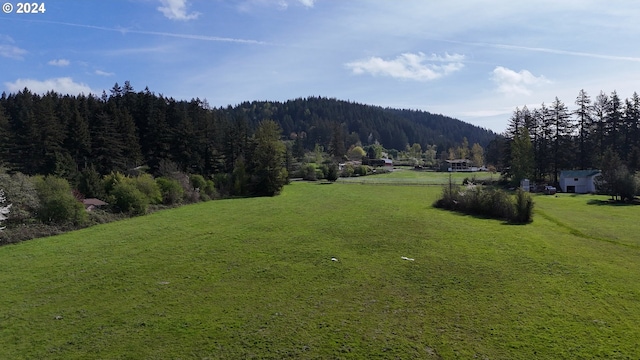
{"x":542,"y":141}
{"x":67,"y":135}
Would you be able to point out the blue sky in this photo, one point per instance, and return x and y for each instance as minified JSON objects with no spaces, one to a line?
{"x":473,"y":60}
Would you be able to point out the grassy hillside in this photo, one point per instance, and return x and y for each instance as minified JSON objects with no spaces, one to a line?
{"x":253,"y":278}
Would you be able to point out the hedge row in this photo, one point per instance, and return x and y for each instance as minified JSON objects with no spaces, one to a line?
{"x":487,"y":201}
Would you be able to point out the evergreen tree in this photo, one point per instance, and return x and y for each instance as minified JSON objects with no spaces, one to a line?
{"x":269,"y":174}
{"x":632,"y":132}
{"x":562,"y":129}
{"x":78,"y":137}
{"x":128,"y":134}
{"x":5,"y":137}
{"x":598,"y":133}
{"x":107,"y":152}
{"x":614,"y":124}
{"x":522,"y":162}
{"x":585,"y":122}
{"x":336,"y":146}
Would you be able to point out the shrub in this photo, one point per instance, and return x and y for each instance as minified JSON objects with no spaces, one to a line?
{"x":128,"y":199}
{"x":57,"y":203}
{"x":197,"y":182}
{"x":332,"y":173}
{"x":490,"y":202}
{"x":110,"y":181}
{"x":361,"y":170}
{"x":148,"y":186}
{"x":348,"y":171}
{"x":171,"y":190}
{"x":210,"y":189}
{"x":524,"y":207}
{"x":308,"y":172}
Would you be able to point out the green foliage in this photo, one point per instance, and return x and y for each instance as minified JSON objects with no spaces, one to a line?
{"x":197,"y":181}
{"x":487,"y":201}
{"x":172,"y":191}
{"x":308,"y":172}
{"x":57,"y":203}
{"x":58,"y":134}
{"x":523,"y":208}
{"x":522,"y":157}
{"x":210,"y":189}
{"x":362,"y":170}
{"x":356,"y":153}
{"x":332,"y":174}
{"x":111,"y":180}
{"x":348,"y":170}
{"x":147,"y":185}
{"x":269,"y":173}
{"x":128,"y":199}
{"x":616,"y":180}
{"x":91,"y":184}
{"x":240,"y":178}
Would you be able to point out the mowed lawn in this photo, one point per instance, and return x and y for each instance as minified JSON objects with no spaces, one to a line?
{"x":408,"y":176}
{"x":253,"y":278}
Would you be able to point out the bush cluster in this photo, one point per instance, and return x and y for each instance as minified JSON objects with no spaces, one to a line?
{"x":487,"y":201}
{"x":48,"y":205}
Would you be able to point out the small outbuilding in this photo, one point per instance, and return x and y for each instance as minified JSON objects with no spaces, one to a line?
{"x":92,"y":203}
{"x":579,"y":181}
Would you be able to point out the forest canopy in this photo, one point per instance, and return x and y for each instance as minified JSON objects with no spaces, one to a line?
{"x":62,"y":134}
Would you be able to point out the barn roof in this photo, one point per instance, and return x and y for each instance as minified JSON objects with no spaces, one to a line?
{"x":578,"y":173}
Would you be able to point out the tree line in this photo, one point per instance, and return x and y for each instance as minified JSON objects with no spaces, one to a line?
{"x":64,"y":135}
{"x":541,"y":142}
{"x":127,"y":131}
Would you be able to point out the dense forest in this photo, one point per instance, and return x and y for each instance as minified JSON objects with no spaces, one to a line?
{"x":62,"y":134}
{"x":601,"y":133}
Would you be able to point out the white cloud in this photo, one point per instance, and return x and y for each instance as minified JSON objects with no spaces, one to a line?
{"x":307,"y":3}
{"x":59,"y":62}
{"x":104,"y":73}
{"x":513,"y":83}
{"x":63,"y":85}
{"x":176,"y":10}
{"x":12,"y":52}
{"x":410,"y":66}
{"x":248,"y":5}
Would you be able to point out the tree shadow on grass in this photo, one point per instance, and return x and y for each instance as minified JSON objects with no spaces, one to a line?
{"x":481,"y":217}
{"x":613,"y":202}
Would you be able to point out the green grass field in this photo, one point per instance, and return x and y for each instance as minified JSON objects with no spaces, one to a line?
{"x":253,"y":278}
{"x":408,"y":176}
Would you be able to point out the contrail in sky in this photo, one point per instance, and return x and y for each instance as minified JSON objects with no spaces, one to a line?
{"x":155,"y":33}
{"x":547,"y":50}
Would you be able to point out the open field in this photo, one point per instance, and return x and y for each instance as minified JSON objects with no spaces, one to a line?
{"x":253,"y":278}
{"x":408,"y":176}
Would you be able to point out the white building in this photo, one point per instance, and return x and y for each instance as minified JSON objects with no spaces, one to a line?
{"x":579,"y":181}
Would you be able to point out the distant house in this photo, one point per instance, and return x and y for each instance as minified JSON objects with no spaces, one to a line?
{"x":388,"y":162}
{"x":92,"y":203}
{"x":461,"y":165}
{"x":578,"y":181}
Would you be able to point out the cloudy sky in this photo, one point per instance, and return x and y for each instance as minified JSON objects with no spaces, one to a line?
{"x":473,"y":60}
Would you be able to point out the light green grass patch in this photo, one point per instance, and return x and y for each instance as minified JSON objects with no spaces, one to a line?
{"x":253,"y":278}
{"x":407,"y":176}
